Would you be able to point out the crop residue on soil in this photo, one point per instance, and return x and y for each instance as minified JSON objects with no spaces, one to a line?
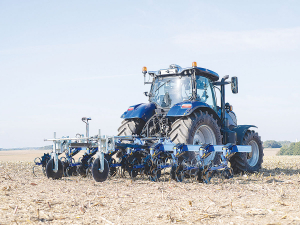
{"x":269,"y":197}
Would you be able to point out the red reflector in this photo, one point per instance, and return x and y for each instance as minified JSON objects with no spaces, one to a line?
{"x":186,"y":106}
{"x":130,"y":108}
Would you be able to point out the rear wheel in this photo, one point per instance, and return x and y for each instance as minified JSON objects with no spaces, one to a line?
{"x":197,"y":129}
{"x":131,"y":127}
{"x":250,"y":162}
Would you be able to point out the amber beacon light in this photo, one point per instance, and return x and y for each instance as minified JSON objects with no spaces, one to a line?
{"x":194,"y":64}
{"x":144,"y":69}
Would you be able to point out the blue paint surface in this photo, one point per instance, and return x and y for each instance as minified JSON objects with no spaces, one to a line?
{"x":176,"y":110}
{"x":143,"y":111}
{"x":240,"y":131}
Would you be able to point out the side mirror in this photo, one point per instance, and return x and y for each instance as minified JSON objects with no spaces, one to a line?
{"x":146,"y":93}
{"x":234,"y":85}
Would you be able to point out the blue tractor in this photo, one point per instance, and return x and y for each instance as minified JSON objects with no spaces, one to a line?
{"x":183,"y":107}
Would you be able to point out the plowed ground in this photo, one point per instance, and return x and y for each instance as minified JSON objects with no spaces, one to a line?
{"x":269,"y":197}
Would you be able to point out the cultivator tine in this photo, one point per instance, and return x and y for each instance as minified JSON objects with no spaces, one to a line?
{"x":33,"y":171}
{"x":41,"y":162}
{"x":37,"y":162}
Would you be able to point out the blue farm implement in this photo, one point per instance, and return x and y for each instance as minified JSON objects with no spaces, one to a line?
{"x":145,"y":156}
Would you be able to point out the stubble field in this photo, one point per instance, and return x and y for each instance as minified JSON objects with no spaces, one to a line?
{"x":269,"y":197}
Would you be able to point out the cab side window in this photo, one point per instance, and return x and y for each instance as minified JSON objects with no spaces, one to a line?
{"x":204,"y":91}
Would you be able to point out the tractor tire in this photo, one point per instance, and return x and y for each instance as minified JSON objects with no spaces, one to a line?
{"x":49,"y":169}
{"x":198,"y":128}
{"x":248,"y":162}
{"x":130,"y":127}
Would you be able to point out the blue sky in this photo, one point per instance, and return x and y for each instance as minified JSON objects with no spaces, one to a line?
{"x":62,"y":60}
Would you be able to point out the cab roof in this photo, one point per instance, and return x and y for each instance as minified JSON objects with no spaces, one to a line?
{"x":177,"y":70}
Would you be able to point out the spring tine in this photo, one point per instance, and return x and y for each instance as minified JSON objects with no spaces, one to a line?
{"x":33,"y":171}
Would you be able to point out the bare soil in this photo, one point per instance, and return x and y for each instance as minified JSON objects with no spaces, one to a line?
{"x":269,"y":197}
{"x":24,"y":155}
{"x":271,"y":151}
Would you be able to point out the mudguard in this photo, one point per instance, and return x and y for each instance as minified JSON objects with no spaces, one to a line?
{"x":227,"y":116}
{"x":178,"y":110}
{"x":143,"y":111}
{"x":240,"y":132}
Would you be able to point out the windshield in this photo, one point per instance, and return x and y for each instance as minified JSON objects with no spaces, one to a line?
{"x":167,"y":91}
{"x":170,"y":90}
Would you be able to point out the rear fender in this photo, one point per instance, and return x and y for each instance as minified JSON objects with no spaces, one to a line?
{"x":241,"y":131}
{"x":142,"y":111}
{"x":178,"y":111}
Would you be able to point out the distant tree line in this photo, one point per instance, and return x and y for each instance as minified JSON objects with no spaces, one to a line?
{"x":275,"y":144}
{"x":292,"y":149}
{"x":47,"y":147}
{"x":286,"y":147}
{"x":271,"y":144}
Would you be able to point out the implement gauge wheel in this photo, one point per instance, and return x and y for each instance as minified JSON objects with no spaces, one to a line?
{"x":97,"y":175}
{"x":249,"y":162}
{"x":50,"y":167}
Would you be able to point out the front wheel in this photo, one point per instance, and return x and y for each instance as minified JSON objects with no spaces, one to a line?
{"x":250,"y":162}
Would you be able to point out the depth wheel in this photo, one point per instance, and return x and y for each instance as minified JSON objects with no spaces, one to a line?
{"x":50,"y":167}
{"x":97,"y":175}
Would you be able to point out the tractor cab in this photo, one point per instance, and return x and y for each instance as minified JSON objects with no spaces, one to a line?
{"x":167,"y":91}
{"x":175,"y":85}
